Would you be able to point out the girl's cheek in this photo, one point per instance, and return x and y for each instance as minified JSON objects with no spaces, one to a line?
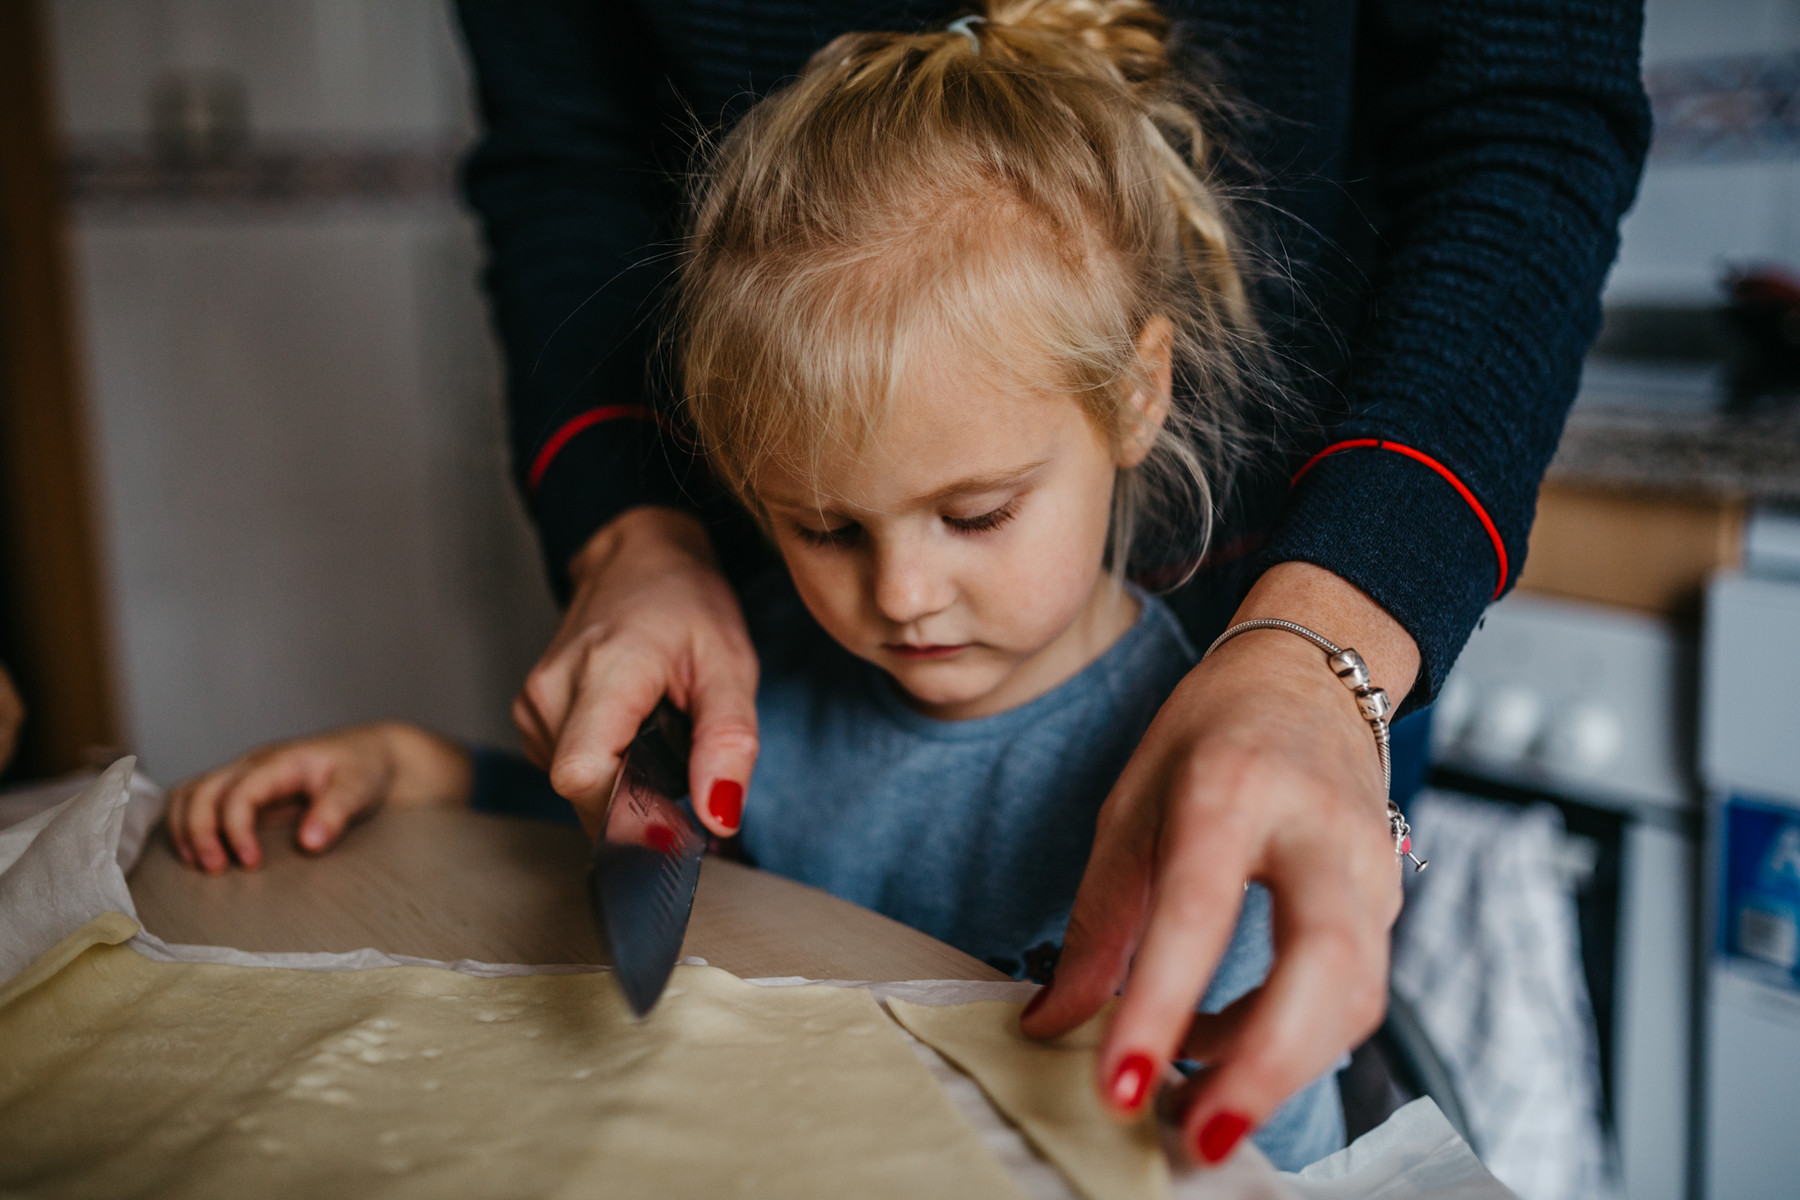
{"x":830,"y":588}
{"x":1039,"y":584}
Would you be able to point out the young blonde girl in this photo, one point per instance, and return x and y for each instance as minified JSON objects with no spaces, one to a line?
{"x":961,"y":315}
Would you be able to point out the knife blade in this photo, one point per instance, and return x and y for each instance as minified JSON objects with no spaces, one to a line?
{"x":646,"y":863}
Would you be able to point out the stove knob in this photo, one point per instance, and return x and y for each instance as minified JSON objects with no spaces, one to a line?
{"x":1505,"y":726}
{"x":1450,"y":715}
{"x":1585,"y":740}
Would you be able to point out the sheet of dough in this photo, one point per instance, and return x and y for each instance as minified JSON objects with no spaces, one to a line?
{"x":1047,"y":1090}
{"x":122,"y":1076}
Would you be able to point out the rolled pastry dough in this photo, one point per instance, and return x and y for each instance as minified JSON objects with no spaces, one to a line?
{"x":1047,"y":1090}
{"x":122,"y":1076}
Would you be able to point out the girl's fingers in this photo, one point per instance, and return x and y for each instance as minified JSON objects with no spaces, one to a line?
{"x":275,"y":776}
{"x":200,"y":820}
{"x":723,"y":706}
{"x":172,"y":820}
{"x":329,"y":813}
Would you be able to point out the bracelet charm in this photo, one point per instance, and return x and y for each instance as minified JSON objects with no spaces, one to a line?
{"x":1371,"y":702}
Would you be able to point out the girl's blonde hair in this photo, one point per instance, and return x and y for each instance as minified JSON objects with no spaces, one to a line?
{"x":1031,"y":193}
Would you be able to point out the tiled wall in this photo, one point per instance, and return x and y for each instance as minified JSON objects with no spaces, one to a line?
{"x":1723,"y":186}
{"x":332,"y":68}
{"x":293,"y":391}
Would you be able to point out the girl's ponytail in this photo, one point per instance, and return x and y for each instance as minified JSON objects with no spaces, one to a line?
{"x":1130,"y":39}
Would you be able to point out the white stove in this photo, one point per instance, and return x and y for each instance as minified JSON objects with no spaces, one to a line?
{"x":1592,"y":708}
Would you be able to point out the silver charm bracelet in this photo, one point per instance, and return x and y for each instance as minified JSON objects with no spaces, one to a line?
{"x":1371,"y":702}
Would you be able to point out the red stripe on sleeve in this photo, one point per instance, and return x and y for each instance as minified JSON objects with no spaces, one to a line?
{"x":1449,"y":476}
{"x":573,"y":426}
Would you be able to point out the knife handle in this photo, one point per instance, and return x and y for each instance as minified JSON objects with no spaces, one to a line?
{"x":659,"y":753}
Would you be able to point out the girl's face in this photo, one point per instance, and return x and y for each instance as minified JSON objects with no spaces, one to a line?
{"x":964,"y":554}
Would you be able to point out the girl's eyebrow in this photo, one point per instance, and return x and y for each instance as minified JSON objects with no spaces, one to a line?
{"x":972,"y":485}
{"x":976,"y":484}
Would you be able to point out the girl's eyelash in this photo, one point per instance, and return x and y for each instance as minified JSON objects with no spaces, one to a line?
{"x":840,"y":536}
{"x":843,"y":535}
{"x":986,"y":521}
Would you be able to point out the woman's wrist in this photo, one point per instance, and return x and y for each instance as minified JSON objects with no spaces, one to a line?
{"x":647,"y":528}
{"x":1339,"y":610}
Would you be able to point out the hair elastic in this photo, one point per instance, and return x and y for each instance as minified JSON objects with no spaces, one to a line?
{"x":966,"y":27}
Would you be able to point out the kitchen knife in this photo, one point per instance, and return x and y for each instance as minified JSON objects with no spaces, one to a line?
{"x":646,"y":864}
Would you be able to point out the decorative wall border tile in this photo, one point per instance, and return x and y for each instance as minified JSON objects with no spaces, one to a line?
{"x":125,"y":173}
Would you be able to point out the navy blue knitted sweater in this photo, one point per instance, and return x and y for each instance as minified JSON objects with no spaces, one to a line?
{"x":1442,"y":179}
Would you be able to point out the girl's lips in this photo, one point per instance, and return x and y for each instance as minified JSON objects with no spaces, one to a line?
{"x":923,"y":653}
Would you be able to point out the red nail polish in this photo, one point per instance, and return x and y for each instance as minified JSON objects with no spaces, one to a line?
{"x":662,"y":839}
{"x":726,"y":803}
{"x":1131,"y":1082}
{"x":1037,"y":1001}
{"x":1220,"y":1136}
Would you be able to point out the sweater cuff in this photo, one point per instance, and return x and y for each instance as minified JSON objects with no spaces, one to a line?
{"x":1404,"y":529}
{"x":593,"y":468}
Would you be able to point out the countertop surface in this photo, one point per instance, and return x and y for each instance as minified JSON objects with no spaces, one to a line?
{"x":1667,"y":429}
{"x":1752,"y":456}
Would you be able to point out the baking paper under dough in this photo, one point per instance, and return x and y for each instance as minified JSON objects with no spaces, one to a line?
{"x":1047,"y":1090}
{"x":121,"y":1076}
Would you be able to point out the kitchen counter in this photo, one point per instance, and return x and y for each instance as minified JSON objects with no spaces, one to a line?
{"x":1663,"y":428}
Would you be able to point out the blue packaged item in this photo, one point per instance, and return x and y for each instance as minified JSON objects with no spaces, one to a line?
{"x":1760,"y":913}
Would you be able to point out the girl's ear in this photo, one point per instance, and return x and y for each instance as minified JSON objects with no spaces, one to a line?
{"x":1147,"y":409}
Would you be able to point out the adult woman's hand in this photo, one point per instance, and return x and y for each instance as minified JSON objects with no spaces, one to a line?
{"x":1258,"y":767}
{"x":652,"y":616}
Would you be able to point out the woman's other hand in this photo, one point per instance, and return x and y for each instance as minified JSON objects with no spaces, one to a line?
{"x":339,"y":776}
{"x":1258,"y":767}
{"x":651,"y":617}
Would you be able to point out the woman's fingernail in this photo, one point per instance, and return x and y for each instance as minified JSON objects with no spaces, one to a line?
{"x":1131,"y":1082}
{"x":1037,"y":1001}
{"x":1220,"y":1136}
{"x":726,"y":803}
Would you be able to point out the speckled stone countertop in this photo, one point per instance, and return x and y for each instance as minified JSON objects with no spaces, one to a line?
{"x":1755,"y":457}
{"x":1667,"y":431}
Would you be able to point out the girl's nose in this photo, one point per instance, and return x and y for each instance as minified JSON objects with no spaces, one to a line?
{"x":909,"y":586}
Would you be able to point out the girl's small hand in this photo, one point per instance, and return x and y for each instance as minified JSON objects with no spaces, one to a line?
{"x":1258,"y":767}
{"x":340,"y":776}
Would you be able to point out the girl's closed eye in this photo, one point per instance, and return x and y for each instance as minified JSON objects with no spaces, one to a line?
{"x":992,"y":519}
{"x":842,"y":535}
